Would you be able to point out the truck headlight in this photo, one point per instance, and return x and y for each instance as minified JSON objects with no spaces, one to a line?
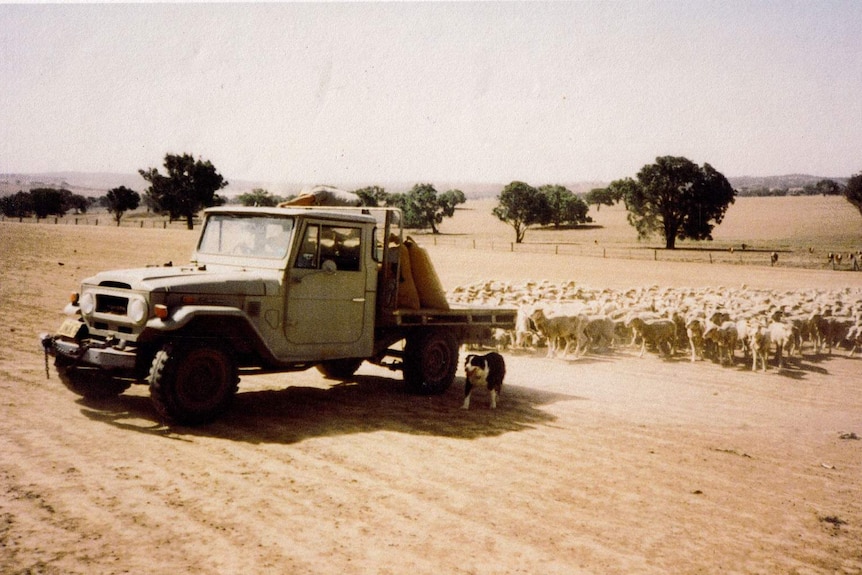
{"x":87,"y":303}
{"x":138,"y":310}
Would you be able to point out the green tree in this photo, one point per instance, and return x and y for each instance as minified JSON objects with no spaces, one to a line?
{"x":258,"y":197}
{"x":601,"y":197}
{"x":453,"y":198}
{"x":824,"y":187}
{"x":75,"y":202}
{"x":120,"y":200}
{"x":422,"y":206}
{"x":372,"y":196}
{"x":426,"y":206}
{"x":521,"y":206}
{"x":566,"y":207}
{"x":853,"y":191}
{"x":188,"y":186}
{"x":50,"y":202}
{"x":677,"y":198}
{"x":19,"y":205}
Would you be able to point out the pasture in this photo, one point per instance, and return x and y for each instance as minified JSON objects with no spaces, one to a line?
{"x":605,"y":463}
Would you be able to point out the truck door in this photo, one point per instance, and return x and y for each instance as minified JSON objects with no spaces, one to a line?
{"x":326,"y":292}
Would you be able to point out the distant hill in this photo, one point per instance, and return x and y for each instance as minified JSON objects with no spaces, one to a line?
{"x":94,"y":184}
{"x":83,"y":183}
{"x":788,"y":182}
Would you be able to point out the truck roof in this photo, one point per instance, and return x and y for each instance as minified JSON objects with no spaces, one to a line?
{"x":357,"y":214}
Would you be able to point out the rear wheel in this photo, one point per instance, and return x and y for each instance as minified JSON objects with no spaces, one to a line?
{"x":89,"y":382}
{"x":192,"y":385}
{"x":430,"y":361}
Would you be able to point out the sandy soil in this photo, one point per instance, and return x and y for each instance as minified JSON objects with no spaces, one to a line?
{"x":605,"y":464}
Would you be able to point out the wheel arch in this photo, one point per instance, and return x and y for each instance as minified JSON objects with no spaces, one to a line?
{"x":230,"y":329}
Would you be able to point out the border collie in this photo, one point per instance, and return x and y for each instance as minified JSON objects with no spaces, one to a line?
{"x":488,"y":369}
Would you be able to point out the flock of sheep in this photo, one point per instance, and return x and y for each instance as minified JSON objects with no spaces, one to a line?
{"x":704,"y":323}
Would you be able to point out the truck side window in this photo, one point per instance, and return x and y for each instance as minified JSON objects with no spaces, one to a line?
{"x":307,"y":257}
{"x":341,"y":245}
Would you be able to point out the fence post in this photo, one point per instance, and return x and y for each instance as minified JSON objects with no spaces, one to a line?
{"x":511,"y":246}
{"x":655,"y":255}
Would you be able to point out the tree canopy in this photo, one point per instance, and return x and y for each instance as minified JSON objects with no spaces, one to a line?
{"x":372,"y":196}
{"x":422,"y":206}
{"x":43,"y":202}
{"x":677,"y":198}
{"x":120,"y":200}
{"x":824,"y":187}
{"x":51,"y":202}
{"x":259,"y":197}
{"x":521,"y":206}
{"x":18,"y":205}
{"x":853,"y":191}
{"x":565,"y":206}
{"x":601,"y":197}
{"x":188,"y":186}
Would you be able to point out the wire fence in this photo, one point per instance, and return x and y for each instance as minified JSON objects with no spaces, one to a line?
{"x":777,"y":257}
{"x":737,"y":255}
{"x":103,"y":219}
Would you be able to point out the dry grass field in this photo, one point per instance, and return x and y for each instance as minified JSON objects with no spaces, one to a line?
{"x":803,"y":230}
{"x":608,"y":463}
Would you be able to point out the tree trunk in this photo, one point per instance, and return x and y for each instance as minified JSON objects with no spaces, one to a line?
{"x":190,"y":222}
{"x":670,"y":241}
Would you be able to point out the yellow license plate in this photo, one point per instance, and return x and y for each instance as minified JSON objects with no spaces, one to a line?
{"x":70,"y":328}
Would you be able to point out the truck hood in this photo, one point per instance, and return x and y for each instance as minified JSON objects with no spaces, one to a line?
{"x":252,"y":282}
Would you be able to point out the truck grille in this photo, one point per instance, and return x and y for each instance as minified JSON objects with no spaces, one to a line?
{"x":111,"y":304}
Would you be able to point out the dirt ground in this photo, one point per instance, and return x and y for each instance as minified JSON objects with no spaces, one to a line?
{"x":604,"y":464}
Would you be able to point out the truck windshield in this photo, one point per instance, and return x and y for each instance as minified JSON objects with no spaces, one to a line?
{"x":245,"y":235}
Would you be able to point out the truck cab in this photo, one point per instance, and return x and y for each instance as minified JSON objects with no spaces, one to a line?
{"x":319,"y":274}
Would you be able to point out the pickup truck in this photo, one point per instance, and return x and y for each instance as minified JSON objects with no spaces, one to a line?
{"x":267,"y":290}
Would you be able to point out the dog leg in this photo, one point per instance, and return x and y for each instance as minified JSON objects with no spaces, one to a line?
{"x":468,"y":388}
{"x":493,"y":399}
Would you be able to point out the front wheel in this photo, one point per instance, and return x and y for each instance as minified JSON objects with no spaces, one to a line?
{"x":89,"y":382}
{"x":430,"y":361}
{"x":192,"y":385}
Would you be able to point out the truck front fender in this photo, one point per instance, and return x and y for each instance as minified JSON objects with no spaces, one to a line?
{"x":226,"y":324}
{"x":182,"y":316}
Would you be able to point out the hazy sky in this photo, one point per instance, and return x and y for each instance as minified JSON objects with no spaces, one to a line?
{"x":441,"y":92}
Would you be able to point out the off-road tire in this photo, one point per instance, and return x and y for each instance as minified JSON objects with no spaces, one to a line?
{"x":191,"y":385}
{"x":89,"y":382}
{"x":430,"y":361}
{"x":339,"y":369}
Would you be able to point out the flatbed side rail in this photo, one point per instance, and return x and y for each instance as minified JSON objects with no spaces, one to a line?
{"x":498,"y":318}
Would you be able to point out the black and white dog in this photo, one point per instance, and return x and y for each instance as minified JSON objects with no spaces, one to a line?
{"x":488,"y":369}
